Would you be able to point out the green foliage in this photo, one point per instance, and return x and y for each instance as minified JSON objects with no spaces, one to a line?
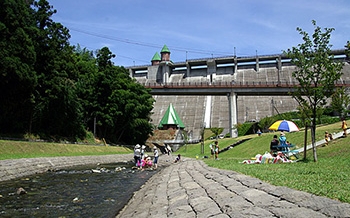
{"x":296,"y":117}
{"x":55,"y":91}
{"x":316,"y":73}
{"x":31,"y":137}
{"x":89,"y":139}
{"x":265,"y":123}
{"x":17,"y":55}
{"x":207,"y":134}
{"x":216,"y":131}
{"x":243,"y":129}
{"x":120,"y":105}
{"x":340,"y":101}
{"x":347,"y":48}
{"x":57,"y":109}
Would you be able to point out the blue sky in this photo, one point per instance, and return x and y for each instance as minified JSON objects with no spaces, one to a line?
{"x":135,"y":30}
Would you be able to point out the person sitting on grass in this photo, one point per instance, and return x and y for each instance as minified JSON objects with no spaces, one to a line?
{"x":283,"y":139}
{"x":326,"y":138}
{"x":274,"y":145}
{"x":259,"y":132}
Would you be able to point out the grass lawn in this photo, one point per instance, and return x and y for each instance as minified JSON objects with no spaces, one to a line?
{"x":329,"y":176}
{"x":20,"y":149}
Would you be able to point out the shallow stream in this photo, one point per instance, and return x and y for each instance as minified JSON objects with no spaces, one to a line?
{"x":75,"y":192}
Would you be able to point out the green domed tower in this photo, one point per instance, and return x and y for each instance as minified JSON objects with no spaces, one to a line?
{"x":156,"y":59}
{"x":165,"y":53}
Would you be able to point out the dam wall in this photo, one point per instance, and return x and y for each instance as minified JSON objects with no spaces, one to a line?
{"x":193,"y":109}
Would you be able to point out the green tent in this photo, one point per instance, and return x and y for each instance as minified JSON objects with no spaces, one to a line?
{"x":171,"y":119}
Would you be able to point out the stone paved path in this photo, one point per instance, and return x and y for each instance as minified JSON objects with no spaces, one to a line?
{"x":192,"y":189}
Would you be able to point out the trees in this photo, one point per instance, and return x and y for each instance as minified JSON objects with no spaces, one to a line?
{"x":216,"y":131}
{"x":316,"y":72}
{"x":123,"y":106}
{"x":340,"y":101}
{"x":57,"y":110}
{"x":50,"y":89}
{"x":38,"y":74}
{"x":86,"y":85}
{"x":17,"y":57}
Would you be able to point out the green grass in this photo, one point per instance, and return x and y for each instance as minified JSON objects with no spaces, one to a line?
{"x":329,"y":176}
{"x":20,"y":149}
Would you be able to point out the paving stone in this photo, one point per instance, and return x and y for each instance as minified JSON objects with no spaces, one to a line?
{"x":181,"y":211}
{"x":204,"y":206}
{"x":336,"y":210}
{"x":251,"y":212}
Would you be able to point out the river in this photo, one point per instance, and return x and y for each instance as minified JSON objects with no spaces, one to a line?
{"x":73,"y":192}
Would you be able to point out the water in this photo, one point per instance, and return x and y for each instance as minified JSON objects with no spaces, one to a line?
{"x":72,"y":192}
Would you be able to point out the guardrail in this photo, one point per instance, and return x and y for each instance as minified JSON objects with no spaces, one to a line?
{"x":216,"y":85}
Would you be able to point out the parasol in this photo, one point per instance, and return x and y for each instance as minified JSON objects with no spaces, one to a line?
{"x":284,"y":125}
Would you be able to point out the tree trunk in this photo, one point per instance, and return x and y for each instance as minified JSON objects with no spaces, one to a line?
{"x":313,"y":133}
{"x":305,"y":141}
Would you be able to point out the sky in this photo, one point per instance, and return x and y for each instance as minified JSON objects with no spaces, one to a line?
{"x":134,"y":30}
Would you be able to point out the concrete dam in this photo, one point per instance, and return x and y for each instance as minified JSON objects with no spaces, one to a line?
{"x":200,"y":105}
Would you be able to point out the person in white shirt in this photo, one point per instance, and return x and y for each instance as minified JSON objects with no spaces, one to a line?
{"x":156,"y":155}
{"x":137,"y":155}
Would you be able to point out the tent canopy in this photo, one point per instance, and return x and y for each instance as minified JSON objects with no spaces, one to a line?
{"x":171,"y":118}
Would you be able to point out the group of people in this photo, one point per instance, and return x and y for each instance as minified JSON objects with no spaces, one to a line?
{"x":328,"y":136}
{"x":142,"y":160}
{"x":279,"y":144}
{"x":267,"y":158}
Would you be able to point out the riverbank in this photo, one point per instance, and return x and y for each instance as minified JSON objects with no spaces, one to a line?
{"x":17,"y":168}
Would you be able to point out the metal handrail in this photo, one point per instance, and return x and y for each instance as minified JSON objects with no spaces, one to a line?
{"x":231,"y":85}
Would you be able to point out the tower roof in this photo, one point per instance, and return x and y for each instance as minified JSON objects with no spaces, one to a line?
{"x":156,"y":57}
{"x":165,"y":49}
{"x":171,"y":117}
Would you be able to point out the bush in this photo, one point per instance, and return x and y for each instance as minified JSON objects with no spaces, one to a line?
{"x":244,"y":129}
{"x":294,"y":116}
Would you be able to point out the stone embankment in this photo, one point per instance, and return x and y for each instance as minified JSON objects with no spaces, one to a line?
{"x":192,"y":189}
{"x":17,"y":168}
